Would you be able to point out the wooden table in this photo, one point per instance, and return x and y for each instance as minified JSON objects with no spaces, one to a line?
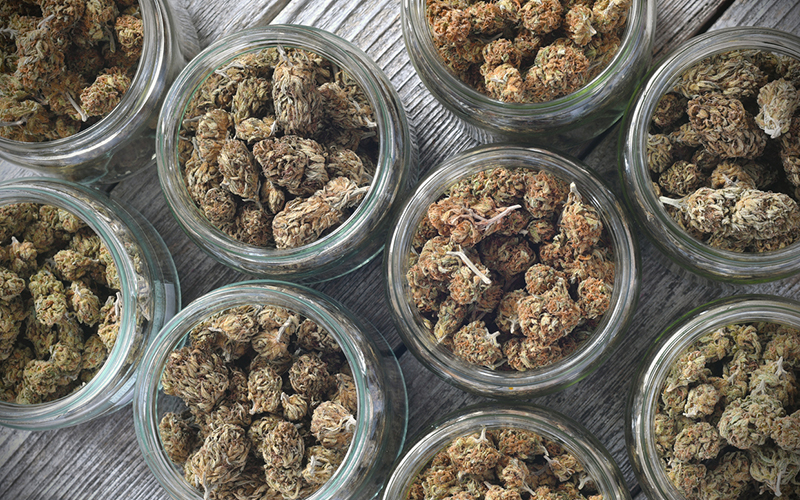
{"x":101,"y":459}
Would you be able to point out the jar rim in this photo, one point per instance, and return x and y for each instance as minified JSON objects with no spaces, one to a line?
{"x":674,"y":241}
{"x":144,"y":91}
{"x":372,"y":80}
{"x":298,"y":299}
{"x":594,"y":351}
{"x":549,"y":423}
{"x":416,"y":26}
{"x":90,"y":398}
{"x":654,"y":367}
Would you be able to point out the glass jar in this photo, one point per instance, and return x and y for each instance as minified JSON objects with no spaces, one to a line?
{"x":654,"y":368}
{"x":480,"y":380}
{"x":361,"y":236}
{"x":550,"y":424}
{"x":382,"y":403}
{"x":122,"y":143}
{"x":148,"y":279}
{"x":677,"y":244}
{"x":564,"y":123}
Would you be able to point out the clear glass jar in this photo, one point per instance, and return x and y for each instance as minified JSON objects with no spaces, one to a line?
{"x":677,"y":244}
{"x":149,"y":280}
{"x":548,"y":423}
{"x":382,"y":403}
{"x":361,"y":236}
{"x":654,"y":368}
{"x":564,"y":123}
{"x":480,"y":380}
{"x":122,"y":143}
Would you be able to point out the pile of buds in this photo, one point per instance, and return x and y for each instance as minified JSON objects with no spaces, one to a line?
{"x":278,"y":147}
{"x":60,"y":304}
{"x":271,"y":405}
{"x":728,"y":422}
{"x":503,"y":464}
{"x":511,"y":269}
{"x":529,"y":51}
{"x":724,"y":151}
{"x":64,"y":64}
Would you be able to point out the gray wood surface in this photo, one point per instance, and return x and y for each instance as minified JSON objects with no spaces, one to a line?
{"x":101,"y":460}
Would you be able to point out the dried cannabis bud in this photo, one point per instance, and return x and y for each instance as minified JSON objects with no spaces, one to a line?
{"x":739,"y":214}
{"x":271,"y":405}
{"x":278,"y":147}
{"x":177,"y":436}
{"x":777,"y":101}
{"x":305,"y":220}
{"x":70,"y":65}
{"x":707,"y":149}
{"x":726,"y":426}
{"x":514,"y":269}
{"x":503,"y":464}
{"x":52,"y":287}
{"x":530,"y":51}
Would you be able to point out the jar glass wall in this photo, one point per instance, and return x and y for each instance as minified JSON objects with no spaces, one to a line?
{"x":382,"y":404}
{"x":563,"y":123}
{"x":665,"y":233}
{"x":149,"y":283}
{"x":496,"y":383}
{"x":361,"y":236}
{"x":644,"y":397}
{"x":549,"y":424}
{"x":122,"y":143}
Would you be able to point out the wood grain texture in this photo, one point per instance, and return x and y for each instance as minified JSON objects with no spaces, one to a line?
{"x":91,"y":461}
{"x":216,"y":19}
{"x":9,"y":171}
{"x":679,"y":20}
{"x":783,"y":15}
{"x":100,"y":459}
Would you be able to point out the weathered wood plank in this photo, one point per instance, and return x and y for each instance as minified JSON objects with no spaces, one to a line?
{"x":97,"y":460}
{"x":779,"y":14}
{"x":216,"y":19}
{"x":10,"y":445}
{"x":9,"y":171}
{"x":680,"y":20}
